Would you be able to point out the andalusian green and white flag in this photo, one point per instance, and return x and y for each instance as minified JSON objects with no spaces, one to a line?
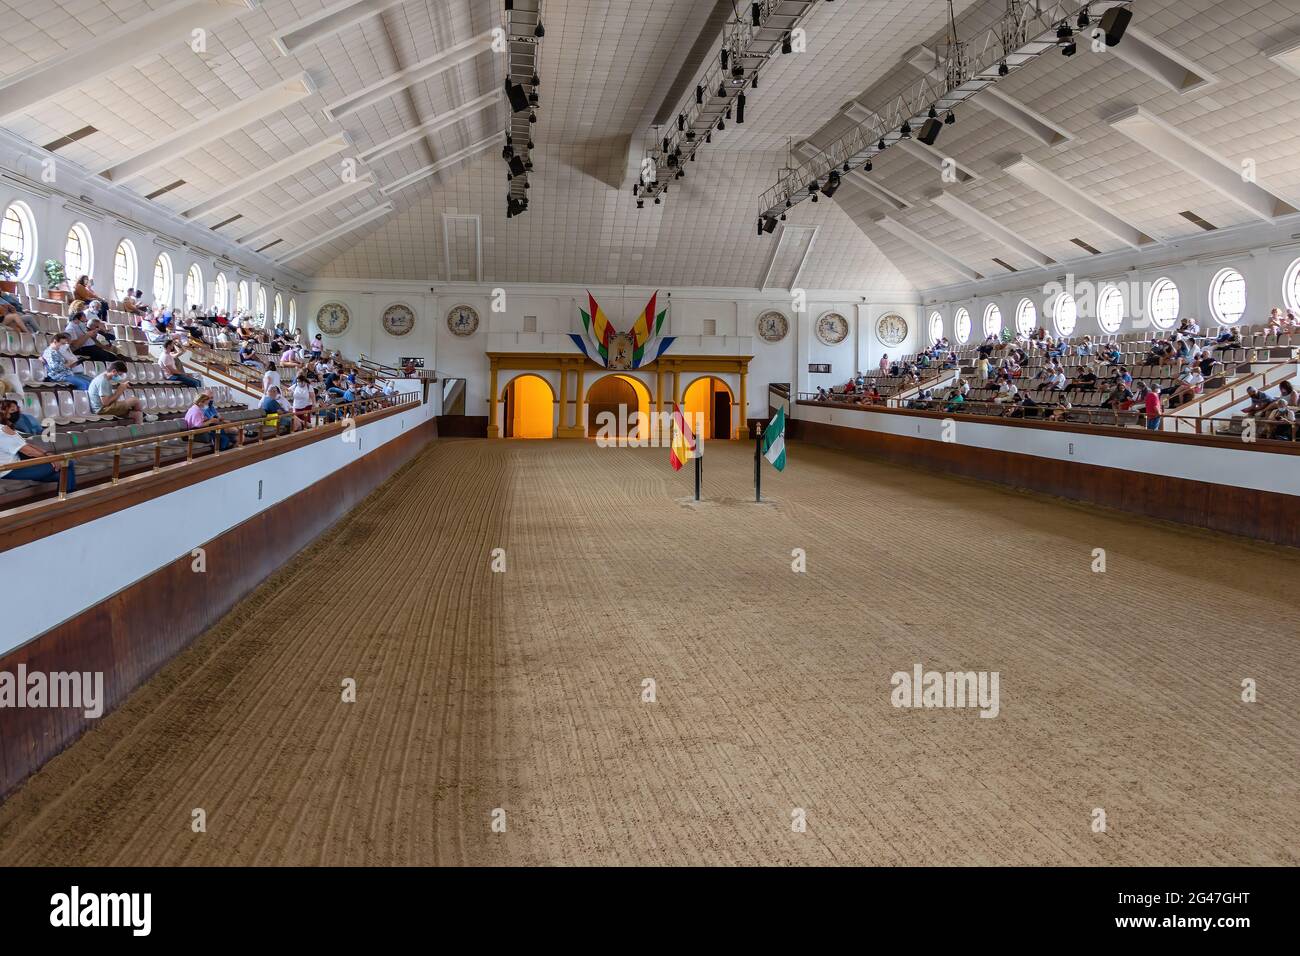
{"x":774,"y":440}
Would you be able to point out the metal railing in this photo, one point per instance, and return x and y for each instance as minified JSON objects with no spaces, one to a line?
{"x":323,"y":415}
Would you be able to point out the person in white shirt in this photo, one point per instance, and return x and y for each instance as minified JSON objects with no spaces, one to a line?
{"x":1006,"y":392}
{"x":14,"y":447}
{"x":304,"y":400}
{"x":390,"y":388}
{"x":270,"y":378}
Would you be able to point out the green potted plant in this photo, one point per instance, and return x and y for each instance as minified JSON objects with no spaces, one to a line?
{"x":10,"y":263}
{"x":56,"y":280}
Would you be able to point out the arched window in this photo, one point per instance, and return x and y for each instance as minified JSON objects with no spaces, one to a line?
{"x":162,"y":282}
{"x":278,"y":314}
{"x":220,"y":293}
{"x":1110,"y":309}
{"x":293,"y":315}
{"x":78,"y":255}
{"x":1026,"y":317}
{"x":1065,"y":312}
{"x":18,"y":238}
{"x":261,"y":304}
{"x":241,"y":297}
{"x":992,"y":320}
{"x":1291,"y":286}
{"x":194,"y":287}
{"x":1228,"y":296}
{"x":126,"y":268}
{"x":936,"y":326}
{"x":961,"y":325}
{"x":1162,"y":305}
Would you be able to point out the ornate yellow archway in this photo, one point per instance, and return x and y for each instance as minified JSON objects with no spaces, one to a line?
{"x":708,"y":399}
{"x":669,"y":372}
{"x":628,"y":395}
{"x":528,"y":408}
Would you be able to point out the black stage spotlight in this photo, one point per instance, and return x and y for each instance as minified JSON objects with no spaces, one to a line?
{"x":783,"y":217}
{"x":690,"y":136}
{"x":754,"y":84}
{"x":728,"y":113}
{"x":812,"y":190}
{"x":740,"y":108}
{"x":1084,"y":19}
{"x":832,"y":184}
{"x":708,"y":137}
{"x":867,"y":166}
{"x":640,"y":204}
{"x":507,"y":151}
{"x":930,"y":130}
{"x":846,"y":165}
{"x":518,"y":98}
{"x":723,"y":54}
{"x":1114,"y":22}
{"x":533,"y":99}
{"x":530,"y":145}
{"x":786,"y":46}
{"x":950,"y":119}
{"x":905,"y":130}
{"x":788,"y":203}
{"x":722,"y":89}
{"x":881,"y":145}
{"x":699,"y":94}
{"x":656,"y":200}
{"x":1003,"y":69}
{"x":1070,"y":49}
{"x":681,"y":122}
{"x":768,"y":223}
{"x":933,"y":114}
{"x":722,"y":124}
{"x":537,"y":80}
{"x":756,"y":14}
{"x":540,"y":31}
{"x":532,"y":117}
{"x":1063,"y":32}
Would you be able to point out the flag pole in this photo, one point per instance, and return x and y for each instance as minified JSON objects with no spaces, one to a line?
{"x":758,"y":464}
{"x":699,"y":467}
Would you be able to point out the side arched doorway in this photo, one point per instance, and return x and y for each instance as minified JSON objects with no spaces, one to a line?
{"x":711,"y":399}
{"x":610,"y":403}
{"x":528,"y":408}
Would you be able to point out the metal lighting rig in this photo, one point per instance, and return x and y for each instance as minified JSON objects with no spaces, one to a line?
{"x":1027,"y":31}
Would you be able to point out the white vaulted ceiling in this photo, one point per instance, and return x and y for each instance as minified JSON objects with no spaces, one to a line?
{"x":608,"y":68}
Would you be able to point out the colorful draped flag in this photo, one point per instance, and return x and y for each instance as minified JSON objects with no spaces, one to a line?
{"x":647,"y":340}
{"x":774,"y":441}
{"x":684,"y":446}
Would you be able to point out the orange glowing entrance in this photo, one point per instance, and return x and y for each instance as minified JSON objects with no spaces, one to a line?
{"x":610,"y":403}
{"x":709,"y":398}
{"x":528,"y":408}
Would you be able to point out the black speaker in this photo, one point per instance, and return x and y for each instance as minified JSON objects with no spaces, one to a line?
{"x":1114,"y":22}
{"x":768,"y":223}
{"x":518,"y":98}
{"x":930,"y":130}
{"x":517,"y":166}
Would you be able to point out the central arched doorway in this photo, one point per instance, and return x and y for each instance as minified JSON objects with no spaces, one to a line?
{"x":711,"y":399}
{"x":528,"y":408}
{"x":610,"y":403}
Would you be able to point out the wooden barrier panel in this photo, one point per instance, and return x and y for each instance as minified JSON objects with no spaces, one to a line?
{"x":135,"y":632}
{"x":1263,"y":515}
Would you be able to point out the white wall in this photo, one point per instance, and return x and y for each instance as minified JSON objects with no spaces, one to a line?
{"x":110,"y":553}
{"x":734,"y":313}
{"x":1239,"y":467}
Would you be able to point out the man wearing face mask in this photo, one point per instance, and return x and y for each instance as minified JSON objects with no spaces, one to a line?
{"x":106,"y":395}
{"x":15,"y":447}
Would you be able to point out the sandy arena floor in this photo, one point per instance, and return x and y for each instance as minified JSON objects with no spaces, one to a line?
{"x":522,"y":690}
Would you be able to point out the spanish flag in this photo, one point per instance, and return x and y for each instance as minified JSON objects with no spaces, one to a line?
{"x":684,"y":447}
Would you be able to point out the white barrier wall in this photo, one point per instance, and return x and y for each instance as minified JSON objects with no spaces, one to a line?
{"x":73,"y":570}
{"x":1228,"y":465}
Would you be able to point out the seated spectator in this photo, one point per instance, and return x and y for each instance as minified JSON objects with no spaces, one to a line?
{"x":88,"y":295}
{"x":175,"y":368}
{"x":304,"y":399}
{"x":13,"y":317}
{"x":955,"y":401}
{"x":1062,"y":410}
{"x":1007,"y":392}
{"x":1286,"y":398}
{"x":248,"y":356}
{"x":1276,"y":323}
{"x":277,"y":412}
{"x":1022,"y":407}
{"x":11,"y":384}
{"x":200,"y":414}
{"x":1229,"y":339}
{"x":14,"y":447}
{"x":62,"y":365}
{"x":1189,"y":385}
{"x":82,"y":333}
{"x":131,"y":304}
{"x":1259,"y":401}
{"x":107,"y":395}
{"x":1086,"y":380}
{"x":1119,"y":397}
{"x":291,"y":357}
